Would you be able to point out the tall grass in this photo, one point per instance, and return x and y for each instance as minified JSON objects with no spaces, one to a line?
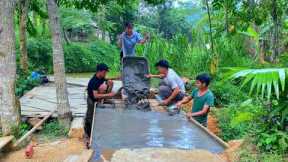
{"x":190,"y":57}
{"x":182,"y":56}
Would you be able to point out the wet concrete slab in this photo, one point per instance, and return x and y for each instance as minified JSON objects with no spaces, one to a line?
{"x":118,"y":129}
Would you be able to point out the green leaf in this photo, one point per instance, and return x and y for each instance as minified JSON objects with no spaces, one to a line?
{"x":266,"y":80}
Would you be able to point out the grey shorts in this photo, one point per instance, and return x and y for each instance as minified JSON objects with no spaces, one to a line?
{"x":165,"y":91}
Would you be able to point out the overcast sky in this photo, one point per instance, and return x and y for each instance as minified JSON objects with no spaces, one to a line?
{"x":196,"y":2}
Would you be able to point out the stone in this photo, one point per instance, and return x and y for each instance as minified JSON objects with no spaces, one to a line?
{"x":164,"y":155}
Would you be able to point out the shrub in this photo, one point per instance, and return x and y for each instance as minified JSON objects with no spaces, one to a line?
{"x":247,"y":155}
{"x":19,"y":131}
{"x":54,"y":129}
{"x":40,"y":54}
{"x":24,"y":83}
{"x":226,"y":93}
{"x":237,"y":120}
{"x":271,"y":133}
{"x":79,"y":57}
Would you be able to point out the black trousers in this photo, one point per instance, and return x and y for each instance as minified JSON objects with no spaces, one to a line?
{"x":89,"y":116}
{"x":121,"y":57}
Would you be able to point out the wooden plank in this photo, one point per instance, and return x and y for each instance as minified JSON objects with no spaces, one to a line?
{"x":5,"y":141}
{"x":207,"y":131}
{"x":77,"y":128}
{"x":94,"y":115}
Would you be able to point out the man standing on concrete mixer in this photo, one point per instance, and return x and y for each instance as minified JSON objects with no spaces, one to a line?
{"x":128,"y":40}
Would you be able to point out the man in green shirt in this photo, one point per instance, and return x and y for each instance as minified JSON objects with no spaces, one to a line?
{"x":202,"y":99}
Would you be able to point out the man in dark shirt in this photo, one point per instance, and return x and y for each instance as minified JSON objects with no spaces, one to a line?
{"x":98,"y":89}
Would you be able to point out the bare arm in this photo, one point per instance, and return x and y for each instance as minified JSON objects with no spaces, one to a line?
{"x":154,"y":76}
{"x":103,"y":96}
{"x":185,"y":100}
{"x":144,"y":40}
{"x":202,"y":112}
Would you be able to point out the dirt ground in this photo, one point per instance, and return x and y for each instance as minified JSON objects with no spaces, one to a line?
{"x":231,"y":154}
{"x":56,"y":151}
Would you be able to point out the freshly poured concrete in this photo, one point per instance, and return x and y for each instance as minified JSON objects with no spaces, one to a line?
{"x":117,"y":129}
{"x":136,"y":85}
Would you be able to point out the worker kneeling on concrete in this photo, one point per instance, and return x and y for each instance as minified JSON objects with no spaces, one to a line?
{"x":99,"y":88}
{"x":202,"y":98}
{"x":171,"y":87}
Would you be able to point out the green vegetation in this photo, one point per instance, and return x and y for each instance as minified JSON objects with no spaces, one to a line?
{"x":53,"y":129}
{"x":19,"y":131}
{"x":242,"y":44}
{"x":25,"y":83}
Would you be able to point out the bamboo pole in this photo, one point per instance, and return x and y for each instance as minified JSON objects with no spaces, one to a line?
{"x":32,"y":130}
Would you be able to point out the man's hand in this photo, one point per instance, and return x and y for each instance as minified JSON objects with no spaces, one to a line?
{"x":165,"y":102}
{"x":148,"y":76}
{"x":189,"y":115}
{"x":179,"y":104}
{"x":110,"y":83}
{"x":146,"y":36}
{"x":111,"y":94}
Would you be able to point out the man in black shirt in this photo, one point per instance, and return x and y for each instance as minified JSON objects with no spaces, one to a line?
{"x":98,"y":89}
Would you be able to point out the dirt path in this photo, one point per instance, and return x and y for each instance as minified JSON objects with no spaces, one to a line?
{"x":56,"y":151}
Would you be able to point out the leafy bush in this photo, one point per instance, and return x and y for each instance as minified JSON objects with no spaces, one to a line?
{"x":19,"y":131}
{"x":232,"y":52}
{"x":54,"y":129}
{"x":79,"y":57}
{"x":226,"y":93}
{"x":271,"y":133}
{"x":237,"y":120}
{"x":247,"y":155}
{"x":24,"y":83}
{"x":40,"y":54}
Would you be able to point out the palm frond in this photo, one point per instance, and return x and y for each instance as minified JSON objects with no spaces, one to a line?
{"x":265,"y":81}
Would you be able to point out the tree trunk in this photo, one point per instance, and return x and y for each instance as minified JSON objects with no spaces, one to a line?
{"x":8,"y":108}
{"x":261,"y":52}
{"x":214,"y":61}
{"x":24,"y":5}
{"x":275,"y":37}
{"x":210,"y":26}
{"x":63,"y":107}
